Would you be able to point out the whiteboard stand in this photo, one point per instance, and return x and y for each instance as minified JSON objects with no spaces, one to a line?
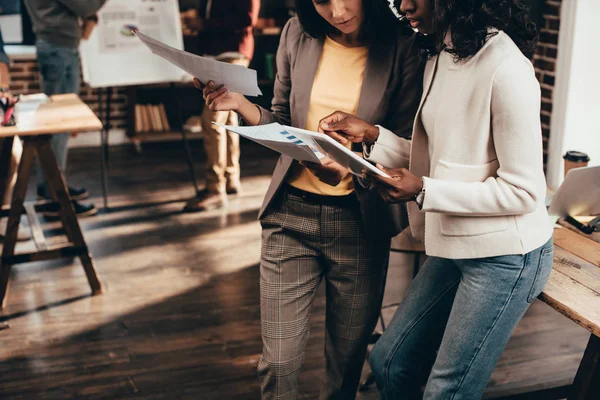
{"x":186,"y":142}
{"x":104,"y":147}
{"x":113,"y":58}
{"x":104,"y":113}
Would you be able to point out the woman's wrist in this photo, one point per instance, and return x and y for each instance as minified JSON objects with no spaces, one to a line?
{"x":371,"y":135}
{"x":248,"y":111}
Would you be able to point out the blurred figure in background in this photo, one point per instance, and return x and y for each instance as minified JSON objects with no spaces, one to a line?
{"x":58,"y":27}
{"x":224,"y":31}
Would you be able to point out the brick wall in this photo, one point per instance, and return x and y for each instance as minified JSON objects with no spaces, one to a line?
{"x":25,"y":79}
{"x":544,"y":62}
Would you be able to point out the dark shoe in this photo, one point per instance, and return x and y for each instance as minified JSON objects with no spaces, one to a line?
{"x":75,"y":193}
{"x":51,"y":211}
{"x":234,"y":190}
{"x":205,"y":201}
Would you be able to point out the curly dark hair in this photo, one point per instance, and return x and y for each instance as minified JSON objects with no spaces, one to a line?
{"x":378,"y":23}
{"x":468,"y":22}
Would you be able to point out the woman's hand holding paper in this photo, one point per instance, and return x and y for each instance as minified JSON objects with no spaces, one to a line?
{"x":402,"y":185}
{"x":218,"y":98}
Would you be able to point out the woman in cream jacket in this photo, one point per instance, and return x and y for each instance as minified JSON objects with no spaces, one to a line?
{"x":473,"y":179}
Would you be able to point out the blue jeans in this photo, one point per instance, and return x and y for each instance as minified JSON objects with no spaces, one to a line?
{"x":458,"y":316}
{"x":60,"y":69}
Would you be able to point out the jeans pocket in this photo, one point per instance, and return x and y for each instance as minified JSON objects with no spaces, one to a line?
{"x":542,"y":273}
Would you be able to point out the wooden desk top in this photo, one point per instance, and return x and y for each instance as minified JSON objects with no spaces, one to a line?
{"x":65,"y":113}
{"x":574,"y":285}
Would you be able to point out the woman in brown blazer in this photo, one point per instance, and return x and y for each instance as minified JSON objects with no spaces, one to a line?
{"x":318,"y":221}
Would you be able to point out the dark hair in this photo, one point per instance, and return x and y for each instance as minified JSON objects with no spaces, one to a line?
{"x":468,"y":22}
{"x":378,"y":22}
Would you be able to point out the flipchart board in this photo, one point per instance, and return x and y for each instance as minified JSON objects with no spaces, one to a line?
{"x":113,"y":56}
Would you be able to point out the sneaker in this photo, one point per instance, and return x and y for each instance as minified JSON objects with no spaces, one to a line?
{"x":52,"y":210}
{"x":206,"y":201}
{"x":75,"y":193}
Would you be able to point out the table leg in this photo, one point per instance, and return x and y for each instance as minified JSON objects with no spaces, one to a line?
{"x":59,"y":191}
{"x":587,"y":381}
{"x":5,"y":164}
{"x":16,"y":209}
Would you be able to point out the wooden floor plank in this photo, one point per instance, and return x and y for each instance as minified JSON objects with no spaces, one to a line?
{"x":180,"y":315}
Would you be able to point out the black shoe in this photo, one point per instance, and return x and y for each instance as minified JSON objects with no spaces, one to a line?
{"x":233,"y":190}
{"x":205,"y":201}
{"x":51,"y":211}
{"x":75,"y":193}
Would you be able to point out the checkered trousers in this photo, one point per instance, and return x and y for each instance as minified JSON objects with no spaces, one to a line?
{"x":302,"y":243}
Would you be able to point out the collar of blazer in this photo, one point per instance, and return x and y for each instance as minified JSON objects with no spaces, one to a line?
{"x":380,"y":63}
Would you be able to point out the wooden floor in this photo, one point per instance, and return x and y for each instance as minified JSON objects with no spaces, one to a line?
{"x":180,"y":314}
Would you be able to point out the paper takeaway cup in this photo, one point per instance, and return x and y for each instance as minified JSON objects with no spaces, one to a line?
{"x":575,"y":159}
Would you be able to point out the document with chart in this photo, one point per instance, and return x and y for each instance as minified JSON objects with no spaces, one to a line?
{"x":303,"y":145}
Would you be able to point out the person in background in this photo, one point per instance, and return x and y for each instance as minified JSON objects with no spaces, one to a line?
{"x":225,"y":31}
{"x":476,"y":194}
{"x":17,"y":149}
{"x":58,"y":28}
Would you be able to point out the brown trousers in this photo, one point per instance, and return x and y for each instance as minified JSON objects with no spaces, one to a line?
{"x":221,"y":146}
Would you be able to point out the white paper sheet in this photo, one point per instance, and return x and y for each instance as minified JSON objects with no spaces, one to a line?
{"x":303,"y":145}
{"x":277,"y":138}
{"x":237,"y":78}
{"x":339,"y":153}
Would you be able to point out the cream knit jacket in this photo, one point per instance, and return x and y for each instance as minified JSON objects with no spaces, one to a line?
{"x":484,"y":181}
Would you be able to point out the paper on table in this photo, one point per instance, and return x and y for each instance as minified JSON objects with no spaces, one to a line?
{"x":237,"y":78}
{"x":276,"y":137}
{"x":30,"y":103}
{"x":297,"y":143}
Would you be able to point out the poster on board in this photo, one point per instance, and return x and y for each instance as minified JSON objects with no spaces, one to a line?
{"x":113,"y":56}
{"x":11,"y":21}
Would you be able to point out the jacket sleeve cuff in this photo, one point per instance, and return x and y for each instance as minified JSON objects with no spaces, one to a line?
{"x":266,"y":117}
{"x":433,"y":194}
{"x":388,"y":150}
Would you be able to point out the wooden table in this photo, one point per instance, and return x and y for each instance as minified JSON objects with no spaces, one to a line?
{"x":574,"y":290}
{"x":64,"y":114}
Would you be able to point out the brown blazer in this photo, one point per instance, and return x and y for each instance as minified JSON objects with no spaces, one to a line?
{"x":390,"y":95}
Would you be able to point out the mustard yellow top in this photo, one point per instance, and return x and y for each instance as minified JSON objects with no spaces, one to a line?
{"x":337,"y":86}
